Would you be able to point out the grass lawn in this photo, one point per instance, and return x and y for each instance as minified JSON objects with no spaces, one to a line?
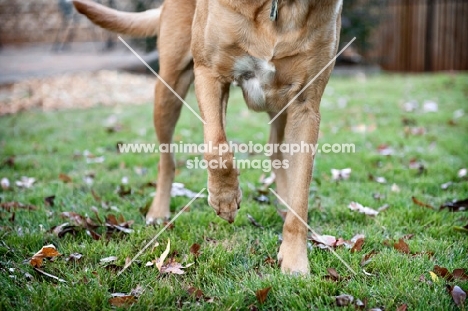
{"x":234,"y":261}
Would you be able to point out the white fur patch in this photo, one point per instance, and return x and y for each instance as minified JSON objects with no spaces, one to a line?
{"x":253,"y":75}
{"x":254,"y":91}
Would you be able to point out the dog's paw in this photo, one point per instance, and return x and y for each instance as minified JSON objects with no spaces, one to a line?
{"x":158,"y":212}
{"x":224,"y":199}
{"x":293,"y":260}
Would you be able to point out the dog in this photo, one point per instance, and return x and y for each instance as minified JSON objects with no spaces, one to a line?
{"x":271,"y":49}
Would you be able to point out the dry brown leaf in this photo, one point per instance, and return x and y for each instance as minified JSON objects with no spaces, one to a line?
{"x":48,"y":251}
{"x":333,"y":275}
{"x":460,"y":274}
{"x":401,"y":246}
{"x":195,"y":249}
{"x":195,"y":292}
{"x":262,"y":294}
{"x":65,"y":178}
{"x":50,"y":200}
{"x":420,"y":203}
{"x":8,"y":206}
{"x":270,"y":261}
{"x":367,"y":257}
{"x":343,"y":300}
{"x":357,"y":247}
{"x":443,"y":272}
{"x":122,"y":300}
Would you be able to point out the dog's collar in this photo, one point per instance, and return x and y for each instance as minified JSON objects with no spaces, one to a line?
{"x":274,"y":10}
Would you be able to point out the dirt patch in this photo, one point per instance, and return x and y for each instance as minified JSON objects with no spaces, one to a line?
{"x":80,"y":90}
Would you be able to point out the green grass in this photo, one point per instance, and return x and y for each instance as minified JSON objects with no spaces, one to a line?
{"x":231,"y":265}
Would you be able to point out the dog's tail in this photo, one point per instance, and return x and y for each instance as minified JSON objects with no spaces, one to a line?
{"x":143,"y":24}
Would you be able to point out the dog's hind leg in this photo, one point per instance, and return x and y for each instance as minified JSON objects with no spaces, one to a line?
{"x":176,"y":69}
{"x":167,"y":109}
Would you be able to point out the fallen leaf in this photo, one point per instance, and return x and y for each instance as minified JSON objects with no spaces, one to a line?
{"x":179,"y":190}
{"x":446,"y":185}
{"x":410,"y":106}
{"x":430,"y":106}
{"x":50,"y":200}
{"x":360,"y":305}
{"x":462,"y":173}
{"x":25,"y":182}
{"x":443,"y":272}
{"x":420,"y":203}
{"x":323,"y":241}
{"x":262,"y":294}
{"x":395,"y":188}
{"x":354,"y":206}
{"x":195,"y":249}
{"x":108,"y":259}
{"x":434,"y":277}
{"x":121,"y":300}
{"x":63,"y":229}
{"x":65,"y":178}
{"x":380,"y":180}
{"x":458,"y":295}
{"x":333,"y":275}
{"x":48,"y":251}
{"x":366,"y":259}
{"x":161,"y":259}
{"x":94,"y":235}
{"x":254,"y":222}
{"x":357,"y":247}
{"x":74,"y":257}
{"x":385,"y":150}
{"x":9,"y":206}
{"x":342,"y":174}
{"x":5,"y":183}
{"x":456,"y":206}
{"x":49,"y":275}
{"x":270,"y":261}
{"x":401,"y":246}
{"x":173,"y":267}
{"x":460,"y":274}
{"x":344,"y":300}
{"x":403,"y":307}
{"x":195,"y":292}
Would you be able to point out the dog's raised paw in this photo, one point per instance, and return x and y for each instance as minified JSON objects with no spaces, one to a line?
{"x":225,"y":201}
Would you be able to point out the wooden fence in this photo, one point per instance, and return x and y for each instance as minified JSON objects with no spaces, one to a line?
{"x":423,"y":35}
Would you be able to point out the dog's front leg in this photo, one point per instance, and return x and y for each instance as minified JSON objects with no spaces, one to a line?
{"x":223,"y":185}
{"x":302,"y":128}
